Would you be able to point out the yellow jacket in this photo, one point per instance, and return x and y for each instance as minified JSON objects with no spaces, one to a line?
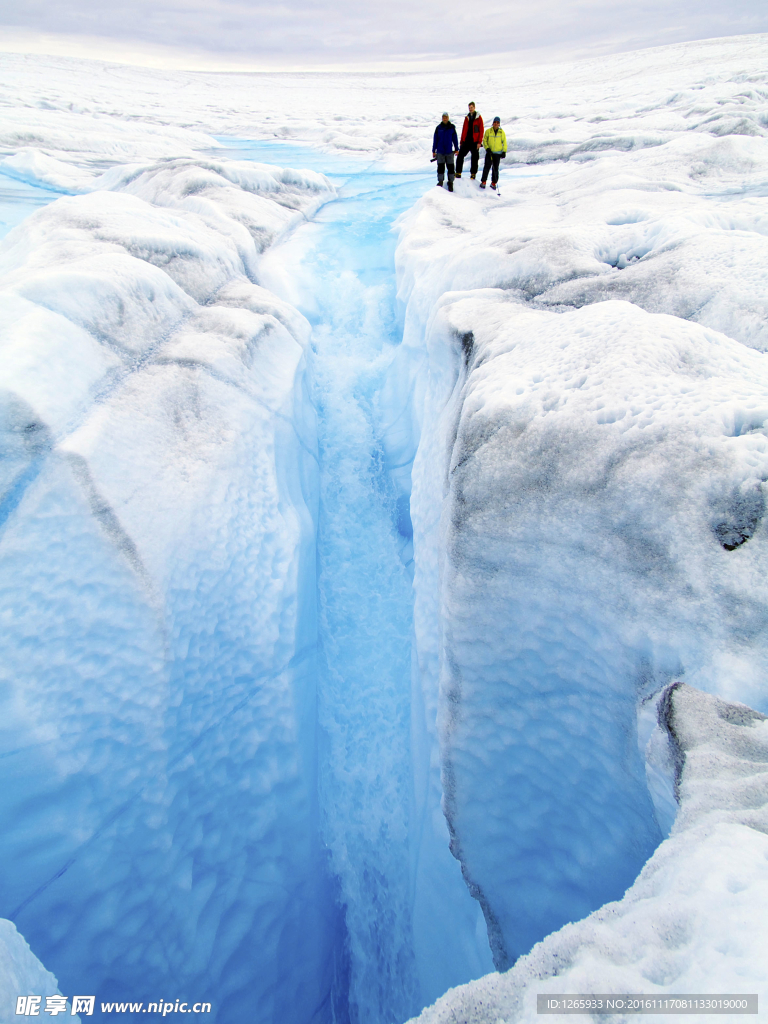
{"x":495,"y":141}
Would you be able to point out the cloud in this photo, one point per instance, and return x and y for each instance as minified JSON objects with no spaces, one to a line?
{"x":301,"y":32}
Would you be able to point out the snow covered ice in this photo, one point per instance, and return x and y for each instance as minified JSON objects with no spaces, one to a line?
{"x":352,"y":534}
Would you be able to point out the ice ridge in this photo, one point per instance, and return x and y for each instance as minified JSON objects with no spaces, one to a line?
{"x":22,"y":974}
{"x":572,"y":522}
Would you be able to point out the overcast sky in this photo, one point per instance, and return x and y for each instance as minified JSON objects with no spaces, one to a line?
{"x":297,"y":33}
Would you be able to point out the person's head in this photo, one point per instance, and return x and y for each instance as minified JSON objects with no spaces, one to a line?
{"x":496,"y":122}
{"x":471,"y":108}
{"x":445,"y":117}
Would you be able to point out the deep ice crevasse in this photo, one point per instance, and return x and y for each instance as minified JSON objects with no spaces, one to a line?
{"x":160,"y":507}
{"x":684,"y":209}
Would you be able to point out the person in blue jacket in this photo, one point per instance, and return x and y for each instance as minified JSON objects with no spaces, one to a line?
{"x":444,"y":144}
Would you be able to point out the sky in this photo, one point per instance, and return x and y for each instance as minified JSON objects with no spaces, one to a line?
{"x":254,"y":34}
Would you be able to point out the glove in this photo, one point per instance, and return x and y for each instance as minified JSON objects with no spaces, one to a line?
{"x":503,"y":156}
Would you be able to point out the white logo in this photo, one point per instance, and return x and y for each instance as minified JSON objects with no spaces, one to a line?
{"x":29,"y":1005}
{"x":83,"y":1004}
{"x":55,"y":1004}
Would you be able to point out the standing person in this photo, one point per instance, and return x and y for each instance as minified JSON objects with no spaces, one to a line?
{"x":471,"y":141}
{"x":495,"y":142}
{"x":444,"y":144}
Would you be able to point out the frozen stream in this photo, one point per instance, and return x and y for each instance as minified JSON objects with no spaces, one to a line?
{"x":18,"y":199}
{"x":364,"y":590}
{"x":339,"y":271}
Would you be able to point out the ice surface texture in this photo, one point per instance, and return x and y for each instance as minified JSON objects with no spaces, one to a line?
{"x":88,"y":115}
{"x":694,"y":920}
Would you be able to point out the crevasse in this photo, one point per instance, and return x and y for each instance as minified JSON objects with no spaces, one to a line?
{"x":223,"y":783}
{"x":259,"y":719}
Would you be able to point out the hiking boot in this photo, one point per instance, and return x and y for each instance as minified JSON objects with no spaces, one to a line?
{"x":493,"y":184}
{"x":439,"y":184}
{"x":482,"y":184}
{"x":450,"y":186}
{"x":471,"y":177}
{"x":458,"y":175}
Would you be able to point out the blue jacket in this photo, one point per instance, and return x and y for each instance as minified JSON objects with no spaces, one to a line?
{"x":445,"y":139}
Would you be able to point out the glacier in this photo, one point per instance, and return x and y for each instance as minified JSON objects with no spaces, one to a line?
{"x":378,"y":565}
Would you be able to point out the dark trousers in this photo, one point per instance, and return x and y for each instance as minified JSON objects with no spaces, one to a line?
{"x":442,"y":160}
{"x":491,"y":160}
{"x":471,"y":148}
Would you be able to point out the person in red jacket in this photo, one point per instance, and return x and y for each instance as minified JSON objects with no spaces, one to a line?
{"x":471,"y":141}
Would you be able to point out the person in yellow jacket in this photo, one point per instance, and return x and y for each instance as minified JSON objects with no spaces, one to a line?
{"x":495,"y":143}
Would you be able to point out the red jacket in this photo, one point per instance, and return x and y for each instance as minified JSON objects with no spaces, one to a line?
{"x":477,"y":129}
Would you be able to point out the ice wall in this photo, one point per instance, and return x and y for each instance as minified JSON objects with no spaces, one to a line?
{"x":588,"y":500}
{"x":159,"y":830}
{"x":693,"y":921}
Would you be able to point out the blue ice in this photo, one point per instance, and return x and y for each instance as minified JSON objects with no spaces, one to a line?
{"x":339,"y":272}
{"x":18,"y":199}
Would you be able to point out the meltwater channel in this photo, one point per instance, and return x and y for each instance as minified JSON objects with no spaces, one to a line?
{"x":338,"y":271}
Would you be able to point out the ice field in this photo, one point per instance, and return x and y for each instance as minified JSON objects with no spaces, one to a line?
{"x":383,"y":570}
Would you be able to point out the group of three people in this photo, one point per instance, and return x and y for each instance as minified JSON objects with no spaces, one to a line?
{"x":445,"y":144}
